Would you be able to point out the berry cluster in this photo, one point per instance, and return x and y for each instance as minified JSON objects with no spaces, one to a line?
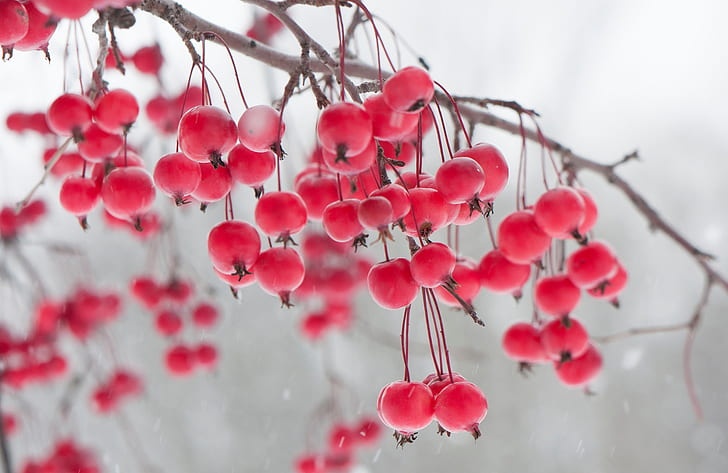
{"x":342,"y":442}
{"x":456,"y":404}
{"x":66,"y":457}
{"x":121,"y":385}
{"x":169,"y":302}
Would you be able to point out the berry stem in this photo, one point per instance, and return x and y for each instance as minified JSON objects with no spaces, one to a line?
{"x":438,"y":370}
{"x":46,"y":171}
{"x":404,"y":340}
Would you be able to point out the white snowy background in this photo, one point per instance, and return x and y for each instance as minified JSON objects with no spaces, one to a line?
{"x":608,"y":77}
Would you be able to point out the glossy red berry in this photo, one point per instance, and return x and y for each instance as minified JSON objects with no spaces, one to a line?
{"x":522,"y":342}
{"x":556,"y":295}
{"x":375,"y":213}
{"x":428,"y":212}
{"x":494,"y":166}
{"x":461,"y":407}
{"x":612,"y":287}
{"x":499,"y":275}
{"x":520,"y":239}
{"x":251,"y":168}
{"x":388,"y":124}
{"x":409,"y":90}
{"x":280,"y":214}
{"x":13,"y":22}
{"x":168,"y":323}
{"x":40,"y":28}
{"x":559,"y":212}
{"x":341,"y":220}
{"x":591,"y":265}
{"x":590,"y":212}
{"x":260,"y":128}
{"x":391,"y":284}
{"x":432,"y":264}
{"x":398,"y":197}
{"x":66,"y":9}
{"x":233,"y":246}
{"x":215,"y":183}
{"x":206,"y":133}
{"x":581,"y":370}
{"x":564,"y":338}
{"x":317,"y":191}
{"x":344,"y":128}
{"x":460,"y":180}
{"x":128,"y":193}
{"x":79,"y":195}
{"x":116,"y":111}
{"x":406,"y":407}
{"x":467,"y":280}
{"x":98,"y":145}
{"x":177,"y":176}
{"x":70,"y":115}
{"x":279,"y":271}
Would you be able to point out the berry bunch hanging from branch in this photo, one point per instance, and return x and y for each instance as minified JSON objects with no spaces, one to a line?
{"x":367,"y":173}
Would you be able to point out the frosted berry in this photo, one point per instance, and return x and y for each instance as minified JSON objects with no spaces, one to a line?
{"x":279,"y":271}
{"x":344,"y":128}
{"x":233,"y":246}
{"x":461,"y":407}
{"x":564,"y":339}
{"x":559,"y":212}
{"x":116,"y":111}
{"x":522,"y":342}
{"x":13,"y":22}
{"x":406,"y":407}
{"x":409,"y":90}
{"x":581,"y":370}
{"x":433,"y":264}
{"x":391,"y":284}
{"x":556,"y":295}
{"x":591,"y":265}
{"x":128,"y":193}
{"x":206,"y":133}
{"x":280,"y":214}
{"x":499,"y":275}
{"x":258,"y":128}
{"x":177,"y":176}
{"x":70,"y":115}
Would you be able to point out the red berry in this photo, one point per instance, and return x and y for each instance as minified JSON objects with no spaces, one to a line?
{"x":251,"y":168}
{"x":391,"y":284}
{"x":406,"y":407}
{"x":409,"y":90}
{"x":128,"y":192}
{"x":116,"y":111}
{"x":215,"y":183}
{"x":352,"y":164}
{"x":522,"y":342}
{"x":460,"y":180}
{"x":564,"y":338}
{"x":98,"y":145}
{"x":432,"y":264}
{"x":206,"y":355}
{"x":66,"y":9}
{"x":280,"y":214}
{"x":494,"y":166}
{"x":461,"y":407}
{"x":556,"y":295}
{"x":520,"y":239}
{"x":70,"y":115}
{"x":168,"y":323}
{"x":179,"y":360}
{"x":40,"y":28}
{"x":205,"y":315}
{"x":67,"y":164}
{"x":581,"y":370}
{"x":79,"y":195}
{"x":317,"y":191}
{"x":499,"y":275}
{"x":279,"y":271}
{"x":341,"y":438}
{"x":375,"y":213}
{"x":612,"y":287}
{"x":205,"y":133}
{"x":13,"y":22}
{"x":341,"y":220}
{"x":388,"y":124}
{"x":148,"y":60}
{"x":590,"y":212}
{"x":398,"y":197}
{"x":427,"y":214}
{"x":177,"y":176}
{"x":559,"y":212}
{"x":367,"y":431}
{"x":467,"y":279}
{"x":314,"y":326}
{"x":233,"y":246}
{"x":260,"y":128}
{"x":591,"y":265}
{"x":344,"y":128}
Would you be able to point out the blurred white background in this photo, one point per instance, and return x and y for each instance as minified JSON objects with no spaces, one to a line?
{"x":608,"y":77}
